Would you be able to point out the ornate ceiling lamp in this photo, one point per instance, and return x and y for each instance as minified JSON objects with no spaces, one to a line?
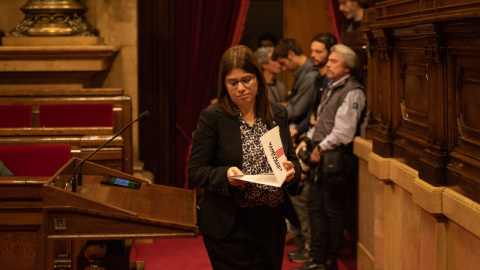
{"x":53,"y":18}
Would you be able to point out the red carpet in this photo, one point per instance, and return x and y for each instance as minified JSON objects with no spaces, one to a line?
{"x":190,"y":253}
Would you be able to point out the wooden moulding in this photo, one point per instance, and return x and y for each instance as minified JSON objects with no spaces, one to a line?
{"x":52,"y":41}
{"x":56,"y":58}
{"x":38,"y":131}
{"x":53,"y":92}
{"x":400,"y":13}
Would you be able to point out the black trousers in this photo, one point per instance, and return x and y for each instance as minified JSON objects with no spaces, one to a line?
{"x":256,"y":242}
{"x":327,"y":209}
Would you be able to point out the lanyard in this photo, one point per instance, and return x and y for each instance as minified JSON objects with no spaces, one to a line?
{"x":324,"y":103}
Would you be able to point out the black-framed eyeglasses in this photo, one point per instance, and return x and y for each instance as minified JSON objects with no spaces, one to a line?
{"x":246,"y":81}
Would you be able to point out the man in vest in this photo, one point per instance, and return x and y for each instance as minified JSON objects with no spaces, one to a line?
{"x":338,"y":116}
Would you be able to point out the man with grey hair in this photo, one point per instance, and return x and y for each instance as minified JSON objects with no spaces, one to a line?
{"x":338,"y":118}
{"x":276,"y":89}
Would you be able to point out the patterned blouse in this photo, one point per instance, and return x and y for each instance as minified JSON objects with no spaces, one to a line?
{"x":255,"y":162}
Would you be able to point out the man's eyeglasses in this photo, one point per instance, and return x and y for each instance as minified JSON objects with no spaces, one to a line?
{"x":246,"y":81}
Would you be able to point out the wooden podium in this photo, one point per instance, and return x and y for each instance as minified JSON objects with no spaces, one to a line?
{"x":101,"y":212}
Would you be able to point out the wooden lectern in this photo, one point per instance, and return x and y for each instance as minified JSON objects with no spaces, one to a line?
{"x":99,"y":211}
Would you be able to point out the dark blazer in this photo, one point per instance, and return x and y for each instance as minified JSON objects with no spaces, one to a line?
{"x":216,"y":147}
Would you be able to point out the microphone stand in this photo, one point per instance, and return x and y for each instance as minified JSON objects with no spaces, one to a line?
{"x":79,"y":166}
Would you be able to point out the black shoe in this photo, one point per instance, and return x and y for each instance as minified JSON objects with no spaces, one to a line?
{"x":297,"y":249}
{"x":299,"y":254}
{"x":331,"y":265}
{"x":311,"y":265}
{"x":298,"y":258}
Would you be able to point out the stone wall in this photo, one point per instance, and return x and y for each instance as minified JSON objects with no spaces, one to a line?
{"x":406,"y":223}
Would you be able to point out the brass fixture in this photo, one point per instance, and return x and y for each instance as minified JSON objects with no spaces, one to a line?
{"x":53,"y":18}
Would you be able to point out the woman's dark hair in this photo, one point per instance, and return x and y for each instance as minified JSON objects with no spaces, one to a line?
{"x":242,"y":57}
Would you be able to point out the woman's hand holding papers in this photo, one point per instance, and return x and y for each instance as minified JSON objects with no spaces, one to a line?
{"x":235,"y":182}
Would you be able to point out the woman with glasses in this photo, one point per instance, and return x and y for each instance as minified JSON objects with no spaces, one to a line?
{"x":243,"y":223}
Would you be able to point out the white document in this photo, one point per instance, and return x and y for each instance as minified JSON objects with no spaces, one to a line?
{"x":266,"y":179}
{"x":272,"y":145}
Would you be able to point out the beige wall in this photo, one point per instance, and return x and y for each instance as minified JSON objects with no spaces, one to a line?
{"x":10,"y":14}
{"x":116,"y":21}
{"x":405,"y":223}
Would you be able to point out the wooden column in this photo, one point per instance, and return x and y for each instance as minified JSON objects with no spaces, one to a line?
{"x":382,"y":90}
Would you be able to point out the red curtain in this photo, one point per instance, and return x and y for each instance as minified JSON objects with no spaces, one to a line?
{"x":335,"y":18}
{"x":204,"y":30}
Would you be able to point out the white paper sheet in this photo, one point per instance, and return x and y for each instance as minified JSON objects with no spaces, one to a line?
{"x":272,"y":145}
{"x":266,"y":179}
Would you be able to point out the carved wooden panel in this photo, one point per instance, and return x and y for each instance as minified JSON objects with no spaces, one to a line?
{"x":410,"y":105}
{"x":432,"y":88}
{"x":464,"y":164}
{"x":468,"y":120}
{"x":19,"y":249}
{"x":413,"y":94}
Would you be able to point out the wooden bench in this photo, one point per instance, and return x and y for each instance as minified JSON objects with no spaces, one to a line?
{"x":15,"y":116}
{"x":83,"y":140}
{"x":34,"y":160}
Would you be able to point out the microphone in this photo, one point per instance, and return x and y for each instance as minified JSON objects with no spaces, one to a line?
{"x":79,"y":166}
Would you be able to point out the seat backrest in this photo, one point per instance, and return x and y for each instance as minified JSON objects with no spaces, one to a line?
{"x":34,"y":160}
{"x":15,"y":116}
{"x":76,"y":115}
